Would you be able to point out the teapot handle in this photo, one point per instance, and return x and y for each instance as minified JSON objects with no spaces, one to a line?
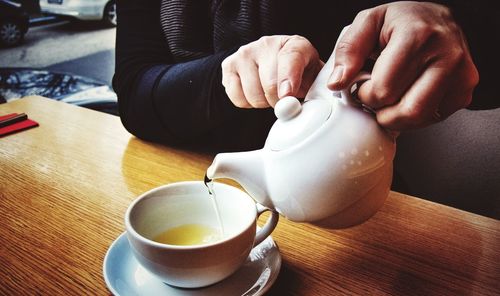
{"x":349,"y":96}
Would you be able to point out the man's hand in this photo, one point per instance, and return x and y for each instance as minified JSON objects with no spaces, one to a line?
{"x":423,"y":72}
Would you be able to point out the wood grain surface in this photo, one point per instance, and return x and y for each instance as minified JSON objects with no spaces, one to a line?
{"x":65,"y":186}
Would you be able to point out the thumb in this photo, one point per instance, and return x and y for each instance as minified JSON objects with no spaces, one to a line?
{"x":355,"y":46}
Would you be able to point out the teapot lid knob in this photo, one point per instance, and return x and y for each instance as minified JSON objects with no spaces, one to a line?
{"x":287,"y":108}
{"x":297,"y":121}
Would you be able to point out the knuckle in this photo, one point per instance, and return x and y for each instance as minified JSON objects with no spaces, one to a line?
{"x":292,"y":58}
{"x":444,"y":10}
{"x":473,"y":77}
{"x":383,"y":95}
{"x":267,"y":41}
{"x":469,"y":70}
{"x":456,"y":56}
{"x":459,"y":61}
{"x":245,"y":51}
{"x":289,"y":51}
{"x":298,"y":38}
{"x":409,"y":116}
{"x":230,"y":79}
{"x":364,"y":15}
{"x":294,"y":43}
{"x":227,"y":64}
{"x":432,"y":33}
{"x":225,"y":81}
{"x":412,"y":115}
{"x":291,"y":39}
{"x":426,"y":32}
{"x":471,"y":74}
{"x":298,"y":48}
{"x":345,"y":47}
{"x":420,"y":26}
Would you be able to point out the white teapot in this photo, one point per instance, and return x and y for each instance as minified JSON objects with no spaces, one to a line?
{"x":325,"y":161}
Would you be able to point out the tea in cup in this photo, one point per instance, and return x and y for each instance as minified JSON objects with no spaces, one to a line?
{"x":176,"y":233}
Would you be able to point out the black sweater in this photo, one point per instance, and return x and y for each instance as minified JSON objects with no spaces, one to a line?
{"x":168,"y":56}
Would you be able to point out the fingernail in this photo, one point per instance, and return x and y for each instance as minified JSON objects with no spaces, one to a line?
{"x":336,"y":76}
{"x":285,"y":88}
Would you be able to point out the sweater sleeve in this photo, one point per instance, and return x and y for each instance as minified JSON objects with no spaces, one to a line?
{"x":179,"y":103}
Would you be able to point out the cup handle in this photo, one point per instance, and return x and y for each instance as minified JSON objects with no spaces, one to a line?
{"x":271,"y":223}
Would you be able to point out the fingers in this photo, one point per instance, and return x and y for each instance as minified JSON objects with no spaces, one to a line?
{"x":396,"y":68}
{"x":430,"y":99}
{"x":355,"y":46}
{"x":252,"y":87}
{"x":268,"y":79}
{"x":263,"y":71}
{"x":232,"y":84}
{"x":418,"y":105}
{"x":240,"y":77}
{"x":424,"y":72}
{"x":298,"y":65}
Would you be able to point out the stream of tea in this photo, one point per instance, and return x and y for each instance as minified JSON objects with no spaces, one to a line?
{"x":210,"y":186}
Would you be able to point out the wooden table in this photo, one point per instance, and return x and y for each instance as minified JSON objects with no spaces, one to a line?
{"x":65,"y":185}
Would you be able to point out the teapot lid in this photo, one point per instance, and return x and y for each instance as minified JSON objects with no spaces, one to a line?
{"x":296,"y":121}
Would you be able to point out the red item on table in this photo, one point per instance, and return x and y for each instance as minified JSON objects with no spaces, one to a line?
{"x":16,"y":126}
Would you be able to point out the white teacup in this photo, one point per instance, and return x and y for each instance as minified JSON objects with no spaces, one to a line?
{"x":188,"y":203}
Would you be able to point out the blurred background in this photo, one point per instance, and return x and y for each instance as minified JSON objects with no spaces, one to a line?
{"x":62,"y":49}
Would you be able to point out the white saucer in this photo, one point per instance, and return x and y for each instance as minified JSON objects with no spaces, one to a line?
{"x":124,"y":276}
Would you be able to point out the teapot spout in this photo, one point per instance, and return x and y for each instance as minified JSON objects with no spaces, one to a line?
{"x":247,"y":169}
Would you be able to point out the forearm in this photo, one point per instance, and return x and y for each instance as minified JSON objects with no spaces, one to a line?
{"x":141,"y":57}
{"x":190,"y":99}
{"x":164,"y":100}
{"x":186,"y":104}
